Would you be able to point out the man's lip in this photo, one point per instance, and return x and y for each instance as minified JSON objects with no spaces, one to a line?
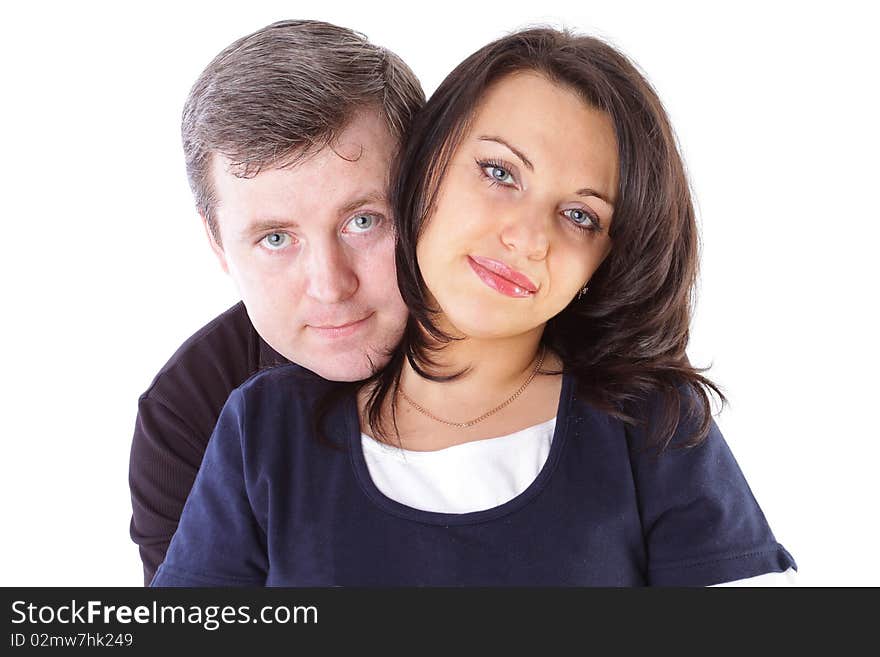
{"x":339,"y":330}
{"x":340,"y":326}
{"x":499,"y":268}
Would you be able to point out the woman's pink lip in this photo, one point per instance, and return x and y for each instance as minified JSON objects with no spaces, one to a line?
{"x":504,"y":271}
{"x":498,"y":283}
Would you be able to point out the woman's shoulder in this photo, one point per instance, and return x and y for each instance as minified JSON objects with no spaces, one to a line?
{"x":284,"y":410}
{"x":285,"y":378}
{"x":281,"y":391}
{"x":679,"y":412}
{"x":702,"y":524}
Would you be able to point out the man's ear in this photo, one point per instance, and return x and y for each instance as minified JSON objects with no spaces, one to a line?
{"x":216,"y":248}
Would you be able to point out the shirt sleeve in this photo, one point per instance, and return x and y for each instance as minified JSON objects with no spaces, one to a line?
{"x":218,"y":541}
{"x":165,"y":457}
{"x":700,"y":521}
{"x":768,"y":580}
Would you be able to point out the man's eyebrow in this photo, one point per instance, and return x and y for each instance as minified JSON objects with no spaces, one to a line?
{"x":268,"y":225}
{"x":366,"y":199}
{"x":512,"y":148}
{"x":587,"y":191}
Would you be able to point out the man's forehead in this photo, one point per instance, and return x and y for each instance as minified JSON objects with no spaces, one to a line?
{"x":366,"y":134}
{"x":271,"y":201}
{"x":227,"y":165}
{"x":296,"y":199}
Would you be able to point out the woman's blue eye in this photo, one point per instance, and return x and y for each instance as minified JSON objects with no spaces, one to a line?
{"x":499,"y":174}
{"x":581,"y":218}
{"x":578,"y":216}
{"x":276,"y":241}
{"x":362,"y":222}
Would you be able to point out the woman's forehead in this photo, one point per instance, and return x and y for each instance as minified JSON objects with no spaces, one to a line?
{"x":550,"y":125}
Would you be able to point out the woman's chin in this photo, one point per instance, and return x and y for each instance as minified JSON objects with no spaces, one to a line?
{"x":490,"y":326}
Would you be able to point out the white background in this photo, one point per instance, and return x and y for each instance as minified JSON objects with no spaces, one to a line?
{"x":105,"y":269}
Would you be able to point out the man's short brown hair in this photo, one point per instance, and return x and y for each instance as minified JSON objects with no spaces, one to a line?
{"x":284,"y":92}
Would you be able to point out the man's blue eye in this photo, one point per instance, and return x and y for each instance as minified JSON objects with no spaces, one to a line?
{"x":362,"y":222}
{"x":275,"y":241}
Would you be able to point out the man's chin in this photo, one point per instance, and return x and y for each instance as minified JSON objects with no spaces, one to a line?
{"x":347,"y":366}
{"x":342,"y":358}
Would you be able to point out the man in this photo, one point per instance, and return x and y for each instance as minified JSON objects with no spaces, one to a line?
{"x":288,"y":135}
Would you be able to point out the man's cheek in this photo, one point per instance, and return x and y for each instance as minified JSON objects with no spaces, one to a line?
{"x":259,"y":278}
{"x":379,"y":247}
{"x":382,"y":257}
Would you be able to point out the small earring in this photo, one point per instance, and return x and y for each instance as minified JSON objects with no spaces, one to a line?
{"x":583,"y":291}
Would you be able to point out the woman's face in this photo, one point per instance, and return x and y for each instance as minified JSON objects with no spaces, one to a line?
{"x":522,"y":214}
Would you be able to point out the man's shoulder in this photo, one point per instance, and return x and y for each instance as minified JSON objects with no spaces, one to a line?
{"x":212,"y":361}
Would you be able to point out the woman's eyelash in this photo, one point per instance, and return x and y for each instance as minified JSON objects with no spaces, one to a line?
{"x":592,"y":226}
{"x":495,"y":164}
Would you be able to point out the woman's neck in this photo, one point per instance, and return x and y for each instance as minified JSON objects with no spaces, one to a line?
{"x":494,"y":369}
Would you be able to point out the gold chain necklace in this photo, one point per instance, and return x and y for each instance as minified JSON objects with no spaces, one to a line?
{"x":470,"y":423}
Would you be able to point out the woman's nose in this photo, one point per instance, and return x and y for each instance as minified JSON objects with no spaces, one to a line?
{"x":528,"y":235}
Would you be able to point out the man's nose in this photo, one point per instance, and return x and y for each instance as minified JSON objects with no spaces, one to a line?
{"x":331,"y":278}
{"x":527,"y":233}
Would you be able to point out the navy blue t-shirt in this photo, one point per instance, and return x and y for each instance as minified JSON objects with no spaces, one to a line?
{"x":273,"y":506}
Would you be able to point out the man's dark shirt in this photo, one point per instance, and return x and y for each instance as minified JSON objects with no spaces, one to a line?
{"x":176,"y":416}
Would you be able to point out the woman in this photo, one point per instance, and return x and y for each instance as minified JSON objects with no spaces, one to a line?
{"x":540,"y":423}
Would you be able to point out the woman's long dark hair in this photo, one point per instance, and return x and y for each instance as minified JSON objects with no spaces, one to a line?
{"x":625,"y":340}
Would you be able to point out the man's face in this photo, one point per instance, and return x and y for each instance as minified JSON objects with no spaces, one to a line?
{"x":311,"y":249}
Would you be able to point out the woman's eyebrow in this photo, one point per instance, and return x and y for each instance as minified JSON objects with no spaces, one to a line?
{"x":513,"y":149}
{"x":587,"y":191}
